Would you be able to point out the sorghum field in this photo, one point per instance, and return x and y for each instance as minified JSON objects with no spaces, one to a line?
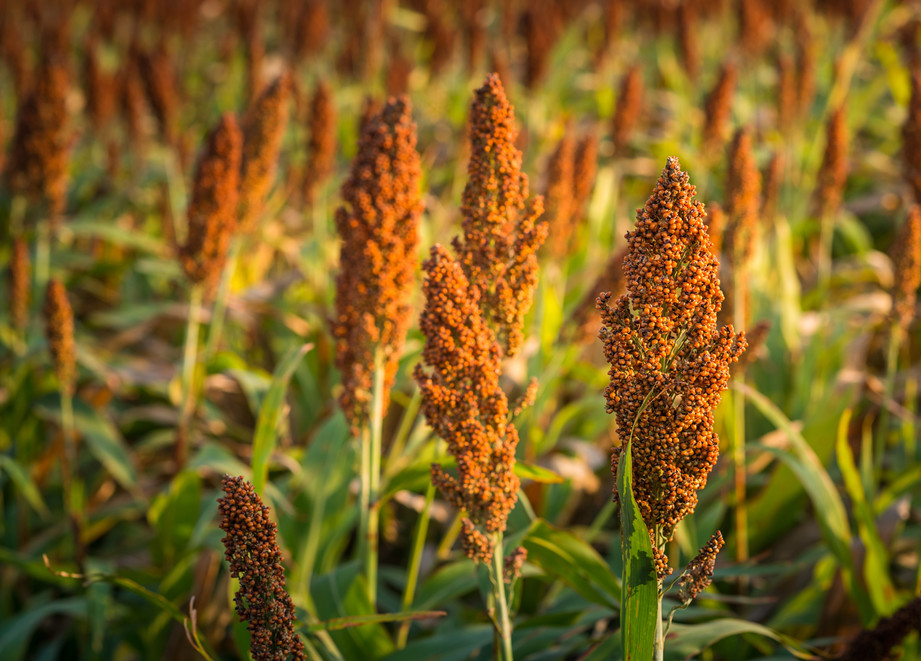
{"x":418,"y":330}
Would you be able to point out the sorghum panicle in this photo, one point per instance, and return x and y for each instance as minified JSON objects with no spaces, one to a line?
{"x":911,"y":138}
{"x":378,"y":227}
{"x":131,"y":101}
{"x":773,"y":180}
{"x":718,"y":105}
{"x":255,"y":559}
{"x":465,"y":405}
{"x":688,"y":39}
{"x":558,"y":194}
{"x":786,"y":92}
{"x":162,"y":88}
{"x":880,"y":641}
{"x":583,"y":175}
{"x":628,"y":108}
{"x":212,"y":212}
{"x":699,"y":572}
{"x":743,"y":199}
{"x":59,"y":329}
{"x":263,"y":130}
{"x":100,"y":89}
{"x":805,"y":63}
{"x":833,"y":173}
{"x":20,"y":285}
{"x":501,"y":235}
{"x":906,"y":258}
{"x":669,"y":360}
{"x":37,"y":164}
{"x":321,"y":143}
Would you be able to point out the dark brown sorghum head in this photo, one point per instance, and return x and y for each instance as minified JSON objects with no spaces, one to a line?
{"x":59,"y":329}
{"x":465,"y":405}
{"x":514,"y":561}
{"x":833,"y":174}
{"x":255,"y":559}
{"x":688,"y":39}
{"x":263,"y":131}
{"x":699,"y":572}
{"x":911,"y":138}
{"x":37,"y":164}
{"x":20,"y":285}
{"x":669,"y":360}
{"x":162,"y":88}
{"x":212,"y":213}
{"x":132,"y":102}
{"x":321,"y":142}
{"x":472,"y":15}
{"x":439,"y":34}
{"x":718,"y":106}
{"x":583,"y":173}
{"x":558,"y":194}
{"x":755,"y":25}
{"x":880,"y":641}
{"x":906,"y":258}
{"x":743,"y":200}
{"x":399,"y":69}
{"x":311,"y":28}
{"x":378,"y":227}
{"x":628,"y":108}
{"x":498,"y":249}
{"x":539,"y":37}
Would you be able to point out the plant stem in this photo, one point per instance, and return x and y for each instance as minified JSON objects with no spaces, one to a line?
{"x":659,"y":645}
{"x":892,"y":367}
{"x":73,"y":506}
{"x":220,"y":303}
{"x":503,"y":622}
{"x":189,"y":363}
{"x":826,"y":235}
{"x":415,"y":560}
{"x":398,"y":445}
{"x":370,"y":481}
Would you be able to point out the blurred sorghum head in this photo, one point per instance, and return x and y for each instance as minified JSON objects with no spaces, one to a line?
{"x":583,"y":174}
{"x":628,"y":108}
{"x":37,"y":164}
{"x":906,"y":258}
{"x":20,"y":286}
{"x":743,"y":200}
{"x":59,"y":329}
{"x":321,"y":141}
{"x":212,"y":212}
{"x":255,"y":559}
{"x":501,"y":235}
{"x":465,"y":405}
{"x":833,"y":174}
{"x":880,"y":641}
{"x":378,"y":227}
{"x":263,"y":130}
{"x":669,"y":362}
{"x":718,"y":106}
{"x":911,"y":138}
{"x":162,"y":87}
{"x":558,"y":194}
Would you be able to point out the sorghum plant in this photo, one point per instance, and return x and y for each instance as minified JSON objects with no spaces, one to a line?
{"x":19,"y":284}
{"x":255,"y":559}
{"x":718,"y":106}
{"x":911,"y":138}
{"x":378,"y":227}
{"x":558,"y":193}
{"x":321,"y":144}
{"x":629,"y":106}
{"x":831,"y":178}
{"x":501,"y":235}
{"x":669,"y":361}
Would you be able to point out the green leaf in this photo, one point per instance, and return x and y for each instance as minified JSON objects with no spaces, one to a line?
{"x":639,"y":606}
{"x":687,"y":641}
{"x":563,"y":555}
{"x":536,"y":473}
{"x":451,"y":646}
{"x":270,"y":415}
{"x":25,"y":485}
{"x":339,"y":623}
{"x":16,"y":631}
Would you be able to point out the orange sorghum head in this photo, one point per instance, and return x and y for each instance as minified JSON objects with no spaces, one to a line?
{"x":669,"y":362}
{"x":558,"y":194}
{"x":501,"y":235}
{"x":583,"y":173}
{"x":59,"y":329}
{"x":906,"y":257}
{"x":159,"y":76}
{"x":465,"y":405}
{"x":321,"y":143}
{"x":689,"y":39}
{"x":37,"y":165}
{"x":212,"y":212}
{"x":20,"y":286}
{"x":718,"y":106}
{"x":911,"y":138}
{"x":378,"y":227}
{"x":773,"y":181}
{"x":628,"y":108}
{"x":255,"y":559}
{"x":262,"y":134}
{"x":743,"y":200}
{"x":833,"y":173}
{"x":699,"y":572}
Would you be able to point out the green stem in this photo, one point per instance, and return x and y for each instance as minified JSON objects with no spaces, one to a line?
{"x":220,"y":303}
{"x":826,"y":234}
{"x":503,"y":622}
{"x":659,"y":645}
{"x":892,"y":367}
{"x":189,"y":362}
{"x":398,"y":445}
{"x":73,"y":503}
{"x":373,"y":476}
{"x":415,"y":560}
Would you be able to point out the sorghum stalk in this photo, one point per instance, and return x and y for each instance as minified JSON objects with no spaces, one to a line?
{"x":669,"y":361}
{"x":211,"y":223}
{"x":378,"y":228}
